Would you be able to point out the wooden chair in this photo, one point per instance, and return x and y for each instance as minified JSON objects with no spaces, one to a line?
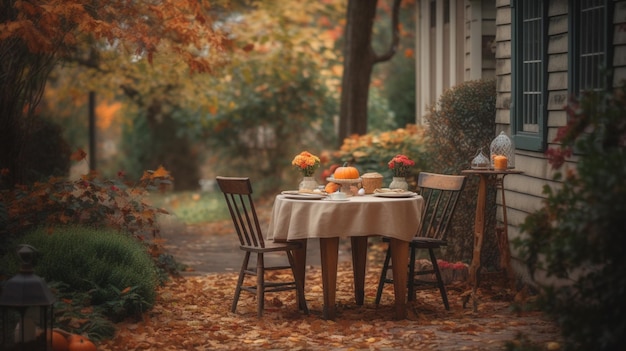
{"x":238,"y":195}
{"x":441,"y":194}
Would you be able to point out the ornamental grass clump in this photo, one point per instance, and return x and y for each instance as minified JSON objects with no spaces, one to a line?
{"x":104,"y":263}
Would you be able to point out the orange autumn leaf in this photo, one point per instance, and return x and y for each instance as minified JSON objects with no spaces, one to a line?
{"x":161,"y":172}
{"x":78,"y":155}
{"x":248,"y":47}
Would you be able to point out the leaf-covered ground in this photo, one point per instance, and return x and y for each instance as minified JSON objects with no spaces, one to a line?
{"x":193,"y":313}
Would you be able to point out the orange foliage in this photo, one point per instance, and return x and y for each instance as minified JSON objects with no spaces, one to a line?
{"x":105,"y":114}
{"x":47,"y":25}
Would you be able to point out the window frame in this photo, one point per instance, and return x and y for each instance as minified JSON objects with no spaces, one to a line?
{"x":528,"y":140}
{"x":575,"y":30}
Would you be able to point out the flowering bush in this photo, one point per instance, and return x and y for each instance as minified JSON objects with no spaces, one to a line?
{"x":401,"y":165}
{"x":306,"y":162}
{"x":371,"y":152}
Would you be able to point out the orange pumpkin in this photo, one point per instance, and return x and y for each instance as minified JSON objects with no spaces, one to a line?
{"x":346,"y":172}
{"x":331,"y":187}
{"x":59,"y":342}
{"x":81,"y":344}
{"x":73,"y":337}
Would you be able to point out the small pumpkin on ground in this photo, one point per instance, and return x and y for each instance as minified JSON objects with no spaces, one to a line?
{"x":80,"y":343}
{"x":59,"y":342}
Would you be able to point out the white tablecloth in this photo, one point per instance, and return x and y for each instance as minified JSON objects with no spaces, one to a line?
{"x":367,"y":215}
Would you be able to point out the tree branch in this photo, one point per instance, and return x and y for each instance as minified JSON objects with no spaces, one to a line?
{"x":393,"y":47}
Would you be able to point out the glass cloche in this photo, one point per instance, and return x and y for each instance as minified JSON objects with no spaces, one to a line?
{"x":502,"y":145}
{"x":480,"y":161}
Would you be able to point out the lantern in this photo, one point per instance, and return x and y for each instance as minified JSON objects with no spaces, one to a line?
{"x":502,"y":146}
{"x":26,"y":305}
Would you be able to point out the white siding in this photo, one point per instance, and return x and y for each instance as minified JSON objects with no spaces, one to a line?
{"x":524,"y":193}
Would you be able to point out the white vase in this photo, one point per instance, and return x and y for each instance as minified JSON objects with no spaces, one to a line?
{"x":399,"y":183}
{"x":308,"y":183}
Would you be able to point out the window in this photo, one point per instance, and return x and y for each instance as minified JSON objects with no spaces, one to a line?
{"x":529,"y":74}
{"x":589,"y":42}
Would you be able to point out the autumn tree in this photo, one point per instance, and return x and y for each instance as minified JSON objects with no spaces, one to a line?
{"x":36,"y":35}
{"x":359,"y":60}
{"x":279,"y":94}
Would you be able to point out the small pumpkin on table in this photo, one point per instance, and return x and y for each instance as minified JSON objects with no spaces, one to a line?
{"x":344,"y":172}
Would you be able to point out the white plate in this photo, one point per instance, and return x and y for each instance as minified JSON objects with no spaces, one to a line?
{"x":294,"y":194}
{"x":396,"y":194}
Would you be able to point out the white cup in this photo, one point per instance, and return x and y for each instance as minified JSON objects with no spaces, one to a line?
{"x":338,"y":195}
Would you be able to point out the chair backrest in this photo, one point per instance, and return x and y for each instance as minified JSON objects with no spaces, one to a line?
{"x":441,"y":194}
{"x":238,"y":194}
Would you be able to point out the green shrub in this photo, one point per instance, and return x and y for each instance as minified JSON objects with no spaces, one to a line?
{"x":462,"y":122}
{"x":578,"y":234}
{"x":74,"y":313}
{"x":103,"y":262}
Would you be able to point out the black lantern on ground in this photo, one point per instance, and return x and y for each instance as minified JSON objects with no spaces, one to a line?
{"x":26,"y":305}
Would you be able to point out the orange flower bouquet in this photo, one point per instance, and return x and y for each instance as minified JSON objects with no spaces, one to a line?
{"x":306,"y":162}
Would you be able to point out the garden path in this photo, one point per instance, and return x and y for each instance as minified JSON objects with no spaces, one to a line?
{"x":214,"y":247}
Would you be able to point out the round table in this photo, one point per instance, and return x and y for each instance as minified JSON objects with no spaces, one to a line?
{"x":357,"y":217}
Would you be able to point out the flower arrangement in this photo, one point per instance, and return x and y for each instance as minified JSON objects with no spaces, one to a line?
{"x":400,"y":165}
{"x":306,"y":162}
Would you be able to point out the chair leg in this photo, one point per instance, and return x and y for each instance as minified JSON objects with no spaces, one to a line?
{"x":260,"y":284}
{"x":383,"y":276}
{"x":442,"y":287}
{"x":299,"y":281}
{"x":411,"y":280}
{"x":242,"y":274}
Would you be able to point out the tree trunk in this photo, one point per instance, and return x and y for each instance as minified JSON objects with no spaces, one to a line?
{"x":359,"y":59}
{"x":357,"y":68}
{"x":24,"y":76}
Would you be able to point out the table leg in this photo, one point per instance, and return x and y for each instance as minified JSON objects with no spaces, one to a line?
{"x":329,"y":252}
{"x":359,"y":257}
{"x":502,"y":233}
{"x":399,"y":259}
{"x":479,"y":231}
{"x":299,"y":258}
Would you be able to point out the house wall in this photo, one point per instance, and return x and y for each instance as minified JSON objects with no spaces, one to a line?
{"x":524,"y":192}
{"x":453,"y":51}
{"x":477,"y":43}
